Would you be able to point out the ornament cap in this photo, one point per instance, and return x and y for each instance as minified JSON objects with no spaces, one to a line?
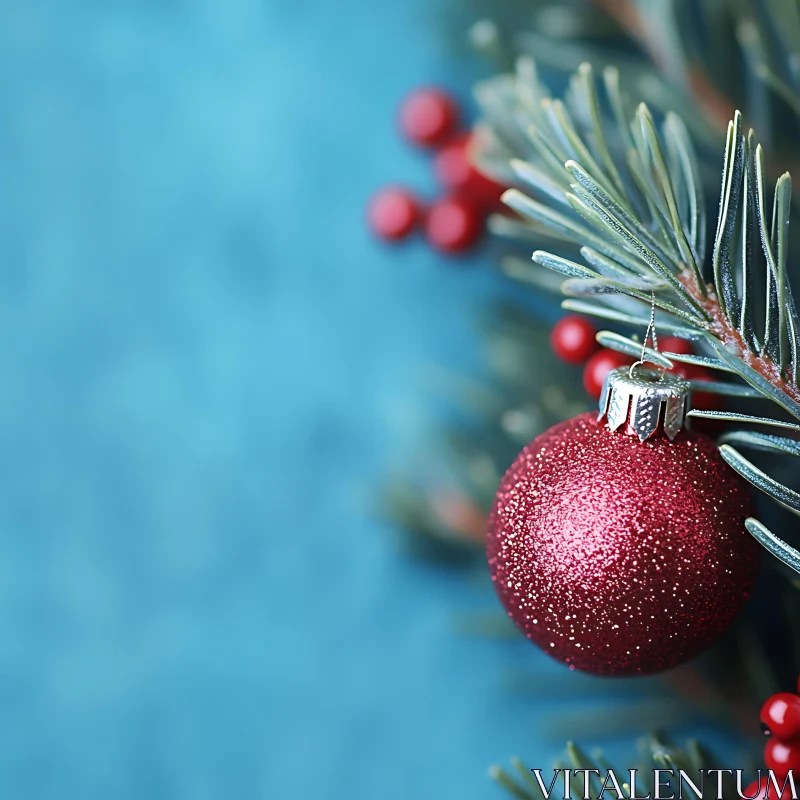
{"x":645,"y":400}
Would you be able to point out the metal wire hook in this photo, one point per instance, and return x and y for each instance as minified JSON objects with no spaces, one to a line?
{"x":649,"y":334}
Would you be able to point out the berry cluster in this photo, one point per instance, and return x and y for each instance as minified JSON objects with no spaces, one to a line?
{"x":573,"y":340}
{"x":780,"y":716}
{"x":454,"y":223}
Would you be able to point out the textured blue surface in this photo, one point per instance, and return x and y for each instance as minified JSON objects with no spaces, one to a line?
{"x":207,"y":368}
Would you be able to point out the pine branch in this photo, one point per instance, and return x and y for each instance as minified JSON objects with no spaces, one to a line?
{"x":760,"y":39}
{"x":702,"y":59}
{"x":637,"y":215}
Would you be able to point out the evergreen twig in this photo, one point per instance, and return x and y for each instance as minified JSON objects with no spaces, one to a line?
{"x":637,"y":215}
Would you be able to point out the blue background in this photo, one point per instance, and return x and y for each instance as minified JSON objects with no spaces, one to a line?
{"x":208,"y":367}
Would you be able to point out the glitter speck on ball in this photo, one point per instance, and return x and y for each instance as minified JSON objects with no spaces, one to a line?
{"x":621,"y":557}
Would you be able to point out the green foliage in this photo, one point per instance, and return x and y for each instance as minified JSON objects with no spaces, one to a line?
{"x":627,"y":192}
{"x":701,"y":59}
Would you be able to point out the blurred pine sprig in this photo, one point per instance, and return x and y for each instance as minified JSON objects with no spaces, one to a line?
{"x":627,"y":192}
{"x":526,"y":391}
{"x":700,"y":59}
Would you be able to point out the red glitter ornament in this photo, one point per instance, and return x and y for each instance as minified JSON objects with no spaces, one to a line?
{"x":428,"y":117}
{"x":454,"y":224}
{"x":573,"y":340}
{"x":393,"y":213}
{"x":619,"y":556}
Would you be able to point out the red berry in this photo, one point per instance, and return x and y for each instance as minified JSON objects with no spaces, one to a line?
{"x":572,"y":339}
{"x":455,"y":171}
{"x":766,"y":790}
{"x":674,"y":344}
{"x":757,"y":786}
{"x":705,"y":401}
{"x":393,"y":213}
{"x":782,"y":756}
{"x":428,"y":117}
{"x":454,"y":224}
{"x":598,"y":366}
{"x":781,"y":714}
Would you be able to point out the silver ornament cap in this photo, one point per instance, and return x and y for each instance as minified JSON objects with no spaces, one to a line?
{"x":645,"y":401}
